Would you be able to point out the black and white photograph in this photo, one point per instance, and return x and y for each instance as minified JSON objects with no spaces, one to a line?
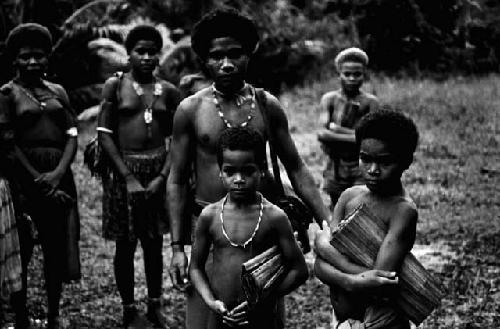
{"x":249,"y":164}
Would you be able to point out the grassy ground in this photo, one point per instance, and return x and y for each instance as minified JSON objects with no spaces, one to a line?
{"x":454,"y":181}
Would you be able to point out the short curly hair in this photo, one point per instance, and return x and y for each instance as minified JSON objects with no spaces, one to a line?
{"x":394,"y":128}
{"x":242,"y":139}
{"x":28,"y":34}
{"x":143,"y":32}
{"x":224,"y":22}
{"x":352,"y":54}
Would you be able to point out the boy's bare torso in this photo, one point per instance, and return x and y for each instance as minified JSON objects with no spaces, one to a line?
{"x":225,"y":279}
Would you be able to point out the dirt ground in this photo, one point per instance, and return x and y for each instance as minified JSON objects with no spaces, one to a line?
{"x":454,"y":181}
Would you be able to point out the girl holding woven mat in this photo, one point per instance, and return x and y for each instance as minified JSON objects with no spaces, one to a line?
{"x":133,"y":125}
{"x":44,"y":132}
{"x":365,"y":296}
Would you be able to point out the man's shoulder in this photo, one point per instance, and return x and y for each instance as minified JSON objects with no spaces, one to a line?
{"x":196,"y":100}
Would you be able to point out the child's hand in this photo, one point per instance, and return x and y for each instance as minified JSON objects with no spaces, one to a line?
{"x":323,"y":236}
{"x":237,"y":316}
{"x":373,"y":279}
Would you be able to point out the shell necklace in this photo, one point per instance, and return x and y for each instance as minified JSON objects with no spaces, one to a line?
{"x":240,"y":99}
{"x":148,"y":109}
{"x":249,"y":240}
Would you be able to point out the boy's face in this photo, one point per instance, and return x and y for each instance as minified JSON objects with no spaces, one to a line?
{"x":144,"y":56}
{"x":380,"y":168}
{"x":31,"y":61}
{"x":352,"y":75}
{"x":227,"y":63}
{"x":240,"y":173}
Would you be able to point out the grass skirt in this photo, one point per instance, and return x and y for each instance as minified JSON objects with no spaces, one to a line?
{"x":128,"y":218}
{"x":56,"y":223}
{"x":10,"y":259}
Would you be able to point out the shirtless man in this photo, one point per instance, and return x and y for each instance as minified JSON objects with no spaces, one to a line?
{"x":200,"y":119}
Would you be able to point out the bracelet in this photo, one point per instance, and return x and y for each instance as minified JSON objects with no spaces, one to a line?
{"x":163,"y":175}
{"x":176,"y":243}
{"x":128,"y":175}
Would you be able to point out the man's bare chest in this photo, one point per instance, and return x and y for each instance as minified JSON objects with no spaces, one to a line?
{"x":209,"y":123}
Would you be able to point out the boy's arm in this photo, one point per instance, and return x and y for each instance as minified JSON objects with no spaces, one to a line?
{"x":398,"y":240}
{"x":352,"y":282}
{"x":297,"y":272}
{"x":199,"y":255}
{"x":323,"y":237}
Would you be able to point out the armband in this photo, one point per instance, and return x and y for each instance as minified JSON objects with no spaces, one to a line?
{"x":104,"y":130}
{"x":72,"y":132}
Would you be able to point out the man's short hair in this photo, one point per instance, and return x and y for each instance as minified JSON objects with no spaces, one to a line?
{"x":394,"y":128}
{"x":242,"y":139}
{"x":143,"y":32}
{"x":220,"y":23}
{"x":352,"y":54}
{"x":28,"y":34}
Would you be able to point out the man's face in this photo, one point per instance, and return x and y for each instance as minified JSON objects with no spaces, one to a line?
{"x":380,"y":167}
{"x":352,"y":75}
{"x":227,"y":63}
{"x":31,"y":61}
{"x":144,"y":56}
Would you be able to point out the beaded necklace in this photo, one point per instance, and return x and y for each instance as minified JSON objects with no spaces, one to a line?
{"x":148,"y":109}
{"x":41,"y":105}
{"x":249,"y":240}
{"x":238,"y":103}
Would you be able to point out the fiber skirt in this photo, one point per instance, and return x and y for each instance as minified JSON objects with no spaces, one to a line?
{"x":128,"y":217}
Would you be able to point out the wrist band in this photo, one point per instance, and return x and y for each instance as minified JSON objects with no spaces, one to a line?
{"x":72,"y":132}
{"x":104,"y":130}
{"x":176,"y":243}
{"x":163,"y":175}
{"x":128,"y":174}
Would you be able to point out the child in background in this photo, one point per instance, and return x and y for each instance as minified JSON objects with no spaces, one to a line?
{"x":240,"y":226}
{"x":344,"y":108}
{"x":387,"y":141}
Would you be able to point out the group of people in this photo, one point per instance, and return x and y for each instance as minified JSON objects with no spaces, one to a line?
{"x":197,"y":168}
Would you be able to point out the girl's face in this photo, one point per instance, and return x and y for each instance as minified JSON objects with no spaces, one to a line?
{"x":31,"y":61}
{"x":144,"y":57}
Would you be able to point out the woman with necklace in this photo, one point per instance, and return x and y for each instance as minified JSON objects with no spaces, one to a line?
{"x":44,"y":134}
{"x":133,"y":125}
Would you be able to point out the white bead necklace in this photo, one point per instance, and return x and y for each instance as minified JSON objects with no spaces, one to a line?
{"x":250,"y":239}
{"x":148,"y":109}
{"x":238,"y":103}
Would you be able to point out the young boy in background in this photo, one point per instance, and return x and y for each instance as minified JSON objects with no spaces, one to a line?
{"x":387,"y":141}
{"x":239,"y":227}
{"x":344,"y":108}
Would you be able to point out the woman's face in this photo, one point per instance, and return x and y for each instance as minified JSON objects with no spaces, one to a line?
{"x":31,"y":61}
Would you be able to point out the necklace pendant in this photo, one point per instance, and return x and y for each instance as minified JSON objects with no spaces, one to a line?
{"x":148,"y":116}
{"x":43,"y":105}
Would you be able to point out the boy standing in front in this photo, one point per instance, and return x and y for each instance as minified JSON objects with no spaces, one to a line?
{"x":239,"y":227}
{"x":344,"y":108}
{"x":387,"y":141}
